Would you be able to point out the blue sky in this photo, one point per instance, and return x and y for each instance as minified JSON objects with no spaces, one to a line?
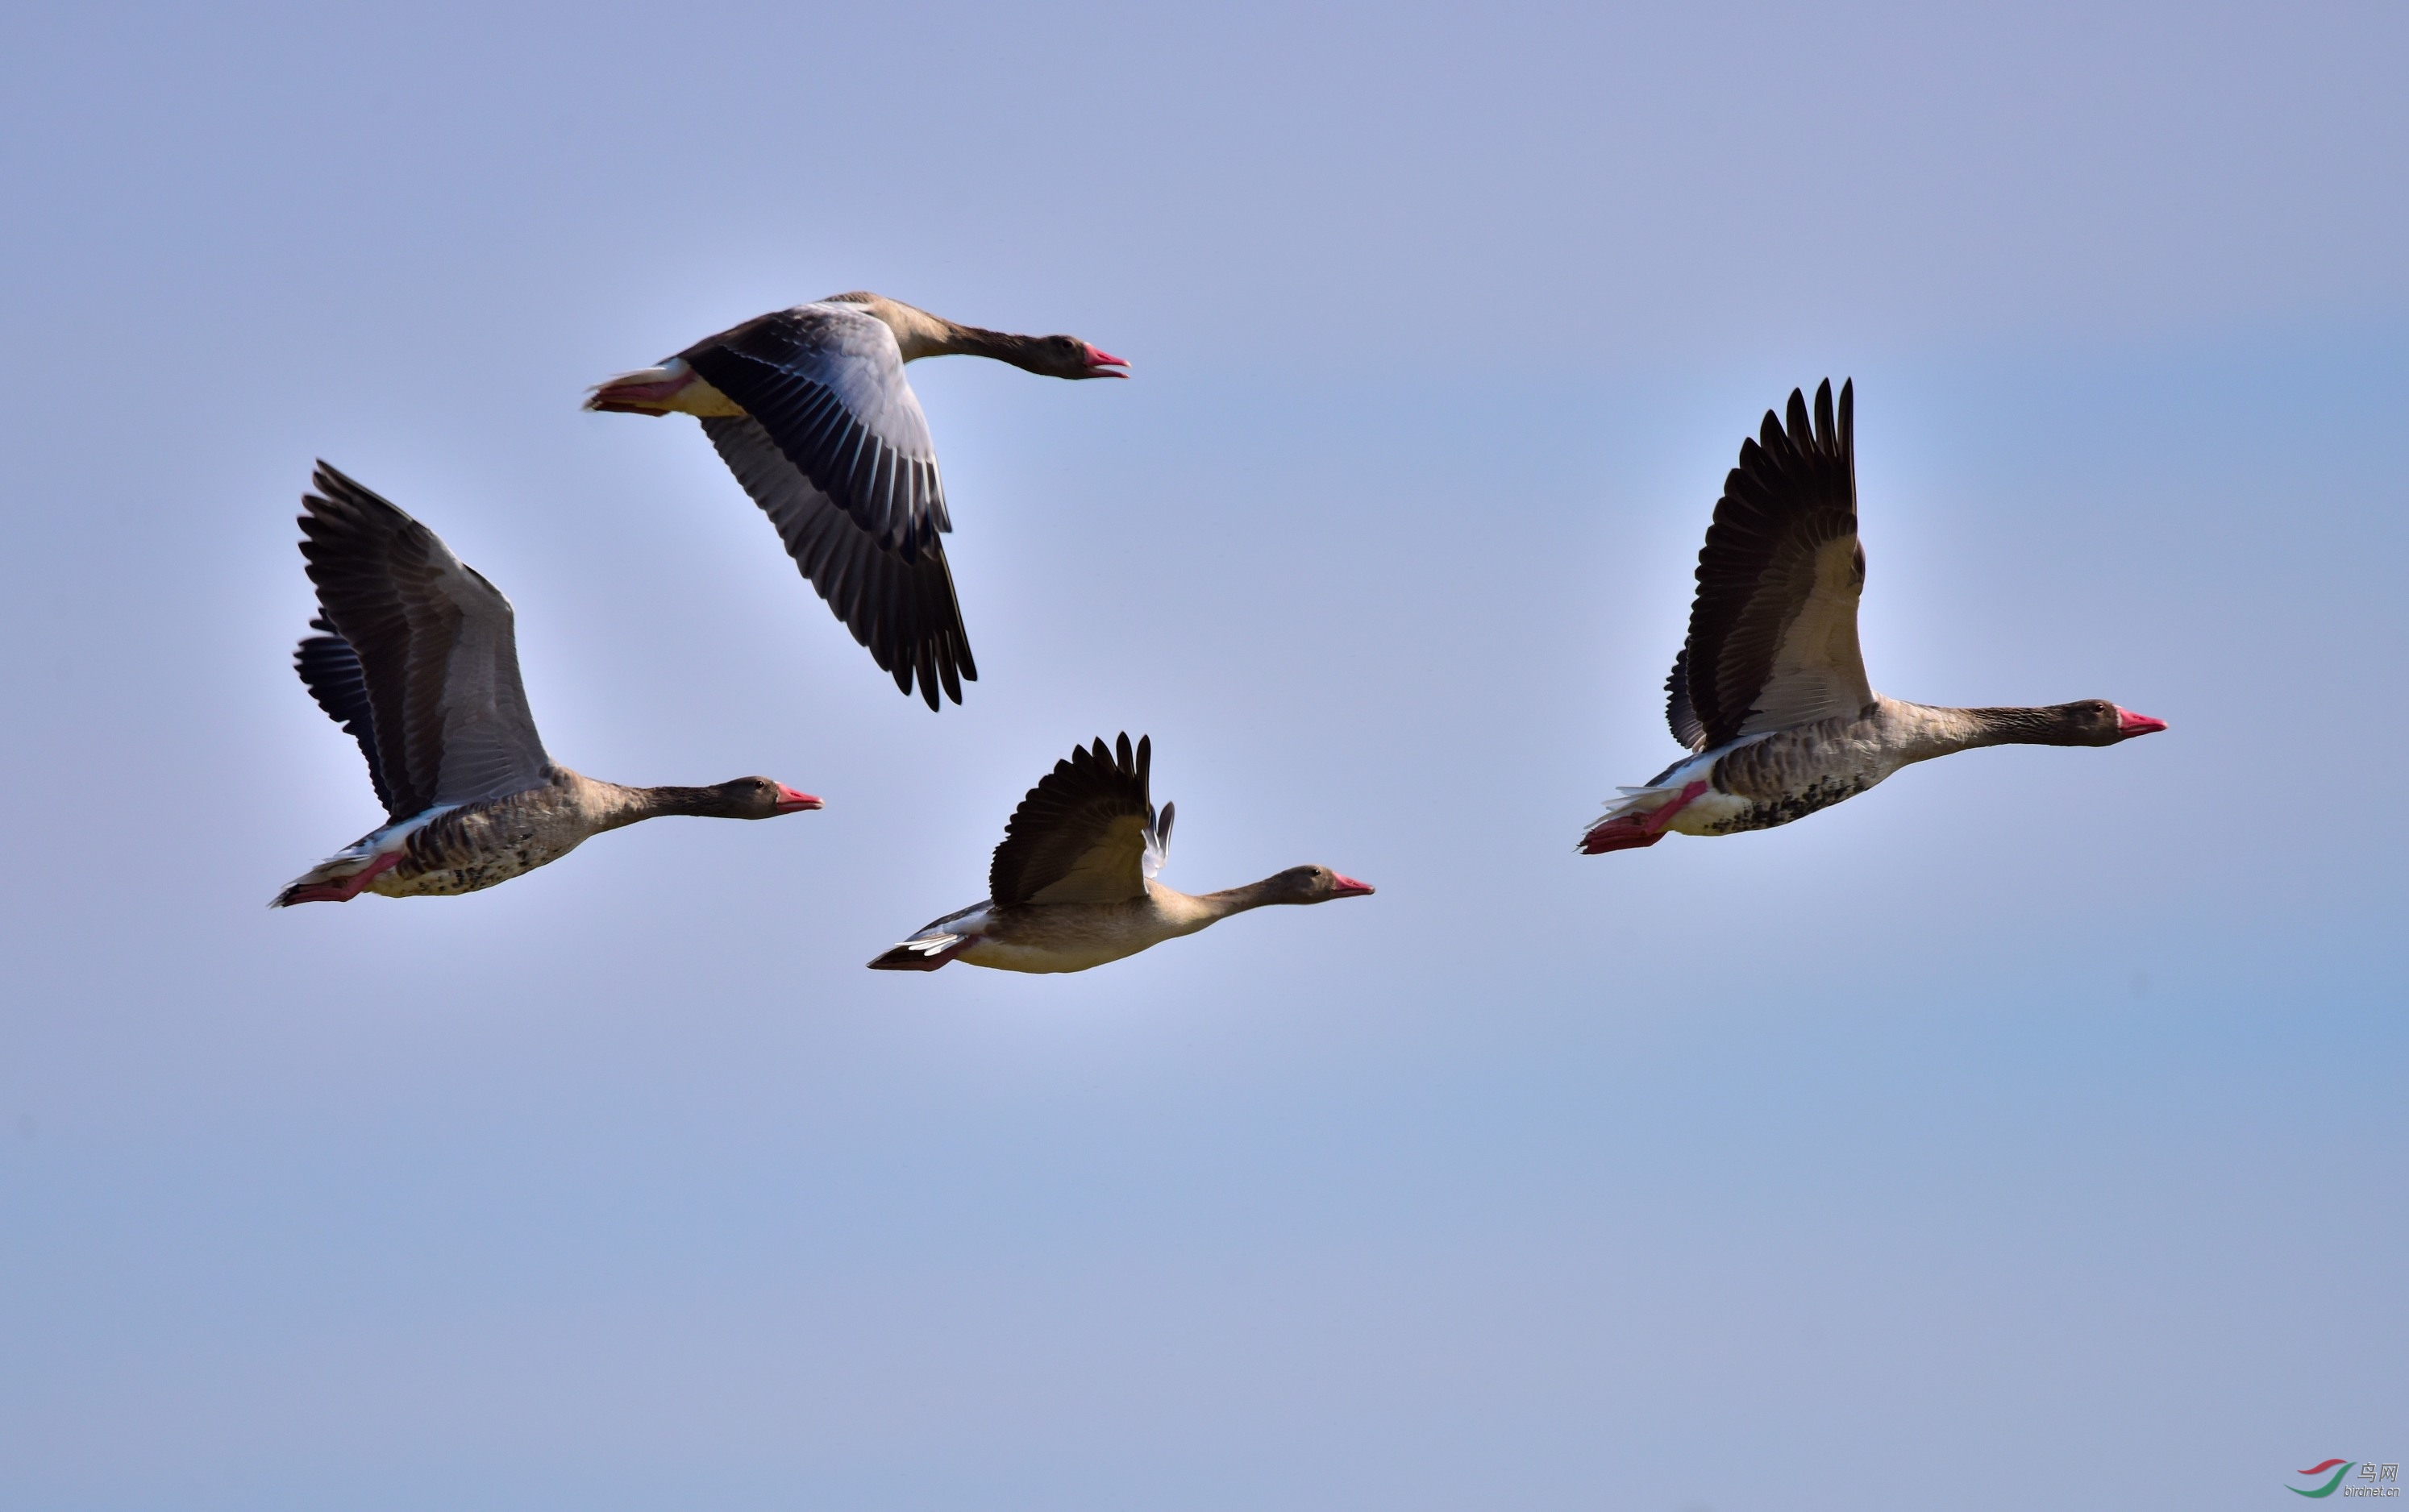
{"x":2029,"y":1129}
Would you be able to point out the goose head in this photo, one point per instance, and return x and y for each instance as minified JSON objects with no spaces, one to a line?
{"x":1067,"y":357}
{"x":757,"y":797}
{"x":2097,"y":722}
{"x":1312,"y":885}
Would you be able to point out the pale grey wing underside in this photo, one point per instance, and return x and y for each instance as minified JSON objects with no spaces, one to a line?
{"x":825,"y":383}
{"x":1818,"y":672}
{"x":859,"y":362}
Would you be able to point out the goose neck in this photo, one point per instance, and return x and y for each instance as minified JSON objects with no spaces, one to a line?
{"x":1933,"y":731}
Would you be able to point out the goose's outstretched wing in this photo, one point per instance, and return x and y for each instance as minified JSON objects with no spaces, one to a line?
{"x":825,"y":383}
{"x":1082,"y":834}
{"x":1773,"y":631}
{"x":421,"y":661}
{"x":330,"y":670}
{"x":900,"y":606}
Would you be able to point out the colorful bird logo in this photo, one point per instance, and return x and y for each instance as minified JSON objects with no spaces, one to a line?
{"x":2328,"y":1488}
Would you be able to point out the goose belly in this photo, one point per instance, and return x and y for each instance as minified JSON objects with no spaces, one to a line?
{"x":1713,"y":812}
{"x":1734,"y":815}
{"x":1070,"y":937}
{"x":1005,"y":956}
{"x":477,"y":848}
{"x":1789,"y":776}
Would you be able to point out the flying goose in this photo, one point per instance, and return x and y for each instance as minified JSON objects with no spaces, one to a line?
{"x":1073,"y":883}
{"x":1770,"y":692}
{"x":416,"y":658}
{"x":809,"y":408}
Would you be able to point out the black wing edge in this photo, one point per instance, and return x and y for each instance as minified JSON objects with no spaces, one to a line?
{"x":912,"y":628}
{"x":330,"y":670}
{"x":941,"y":652}
{"x":1678,"y":710}
{"x":906,"y":958}
{"x":914,"y":634}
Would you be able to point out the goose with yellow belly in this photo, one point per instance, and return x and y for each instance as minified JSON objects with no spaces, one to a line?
{"x":1072,"y":884}
{"x":1770,"y":692}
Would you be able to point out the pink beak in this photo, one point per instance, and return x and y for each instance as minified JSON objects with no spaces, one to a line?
{"x":1348,"y":886}
{"x":790,"y":801}
{"x":2130,"y":723}
{"x":1098,"y":357}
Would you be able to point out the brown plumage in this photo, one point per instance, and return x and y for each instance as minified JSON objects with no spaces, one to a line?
{"x":417,"y":657}
{"x":1769,"y":690}
{"x":1072,"y":884}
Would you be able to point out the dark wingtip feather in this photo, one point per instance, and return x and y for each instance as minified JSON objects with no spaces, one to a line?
{"x":902,"y":959}
{"x":924,"y":666}
{"x":1681,"y":713}
{"x":339,"y":487}
{"x":895,"y":595}
{"x":329,"y":668}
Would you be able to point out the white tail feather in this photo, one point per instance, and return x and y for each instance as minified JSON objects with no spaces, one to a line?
{"x":1635,"y":800}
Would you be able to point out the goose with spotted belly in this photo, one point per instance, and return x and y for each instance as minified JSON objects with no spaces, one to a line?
{"x":417,"y":657}
{"x":1072,"y":884}
{"x":1770,"y":692}
{"x":810,"y":410}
